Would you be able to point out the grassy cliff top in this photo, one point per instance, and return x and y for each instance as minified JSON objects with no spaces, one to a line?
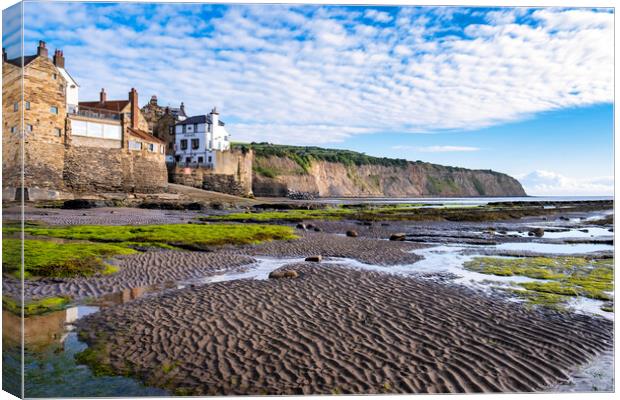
{"x":304,"y":155}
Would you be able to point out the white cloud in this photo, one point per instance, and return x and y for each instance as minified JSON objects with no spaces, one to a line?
{"x":295,"y":68}
{"x":542,"y":183}
{"x":437,"y":149}
{"x":378,"y":16}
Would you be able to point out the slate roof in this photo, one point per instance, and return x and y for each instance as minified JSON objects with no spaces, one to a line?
{"x":17,"y":61}
{"x":198,"y":119}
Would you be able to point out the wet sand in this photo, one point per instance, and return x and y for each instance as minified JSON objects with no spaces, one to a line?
{"x":155,"y":267}
{"x":139,"y":270}
{"x":338,"y":330}
{"x":371,"y":251}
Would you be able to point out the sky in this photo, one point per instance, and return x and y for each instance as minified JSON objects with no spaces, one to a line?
{"x":525,"y":91}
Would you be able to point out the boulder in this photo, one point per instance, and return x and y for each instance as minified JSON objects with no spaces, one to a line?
{"x":78,"y":204}
{"x":279,"y":274}
{"x":301,"y":226}
{"x":538,"y":232}
{"x":317,"y":229}
{"x":398,"y":237}
{"x":352,"y":233}
{"x":310,"y":226}
{"x":314,"y":258}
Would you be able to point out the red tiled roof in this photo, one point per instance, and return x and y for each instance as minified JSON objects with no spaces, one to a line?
{"x":110,"y":105}
{"x":145,"y":135}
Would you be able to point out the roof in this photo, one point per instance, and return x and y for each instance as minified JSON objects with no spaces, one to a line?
{"x":67,"y":76}
{"x":145,"y":135}
{"x":17,"y":61}
{"x":177,"y":111}
{"x":198,"y":119}
{"x":110,"y":105}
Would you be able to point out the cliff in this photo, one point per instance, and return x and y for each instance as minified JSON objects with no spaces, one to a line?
{"x":332,"y":173}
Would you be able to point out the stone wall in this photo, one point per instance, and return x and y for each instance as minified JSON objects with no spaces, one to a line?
{"x":232,"y":174}
{"x":224,"y":183}
{"x":91,"y":169}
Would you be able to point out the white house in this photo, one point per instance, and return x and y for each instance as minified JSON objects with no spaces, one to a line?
{"x":72,"y":89}
{"x":198,"y":138}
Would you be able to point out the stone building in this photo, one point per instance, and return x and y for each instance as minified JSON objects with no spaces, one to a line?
{"x":71,"y":146}
{"x":161,"y":121}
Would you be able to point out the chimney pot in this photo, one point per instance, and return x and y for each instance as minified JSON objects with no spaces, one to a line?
{"x":102,"y":96}
{"x":4,"y":56}
{"x":42,"y":50}
{"x":59,"y":59}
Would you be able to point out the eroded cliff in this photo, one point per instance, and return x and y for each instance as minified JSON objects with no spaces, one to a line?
{"x":278,"y":170}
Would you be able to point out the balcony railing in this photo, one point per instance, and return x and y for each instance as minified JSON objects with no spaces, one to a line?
{"x":96,"y":113}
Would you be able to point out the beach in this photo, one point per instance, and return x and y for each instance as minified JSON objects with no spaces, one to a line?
{"x":361,"y":306}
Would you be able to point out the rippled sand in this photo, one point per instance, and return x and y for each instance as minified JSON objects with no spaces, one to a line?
{"x":338,"y":330}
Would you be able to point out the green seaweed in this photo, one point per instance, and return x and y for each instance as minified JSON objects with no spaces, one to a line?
{"x":167,"y":236}
{"x":566,"y":277}
{"x":43,"y":258}
{"x":51,"y":258}
{"x":35,"y":307}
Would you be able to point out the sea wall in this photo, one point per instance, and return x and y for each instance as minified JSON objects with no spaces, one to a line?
{"x":231,"y":174}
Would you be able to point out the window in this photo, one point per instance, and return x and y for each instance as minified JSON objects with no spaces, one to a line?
{"x":183,"y":128}
{"x":210,"y":158}
{"x":54,"y":76}
{"x":201,"y":160}
{"x":135,"y":145}
{"x":188,"y":160}
{"x":58,"y":132}
{"x":15,"y":106}
{"x":195,"y":127}
{"x":161,"y":149}
{"x":177,"y":158}
{"x":13,"y":129}
{"x":28,"y":128}
{"x":195,"y":144}
{"x":171,"y":130}
{"x":54,"y":110}
{"x":183,"y":143}
{"x":27,"y":105}
{"x":96,"y":129}
{"x":151,"y":147}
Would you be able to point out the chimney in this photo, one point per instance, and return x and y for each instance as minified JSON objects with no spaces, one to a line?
{"x":102,"y":96}
{"x":215,"y":118}
{"x":4,"y":57}
{"x":59,"y":59}
{"x":135,"y":108}
{"x":153,"y":100}
{"x":42,"y":50}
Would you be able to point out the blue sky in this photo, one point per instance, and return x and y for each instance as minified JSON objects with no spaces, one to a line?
{"x":524,"y":91}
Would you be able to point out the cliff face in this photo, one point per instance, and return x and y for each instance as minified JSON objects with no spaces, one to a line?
{"x":276,"y":175}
